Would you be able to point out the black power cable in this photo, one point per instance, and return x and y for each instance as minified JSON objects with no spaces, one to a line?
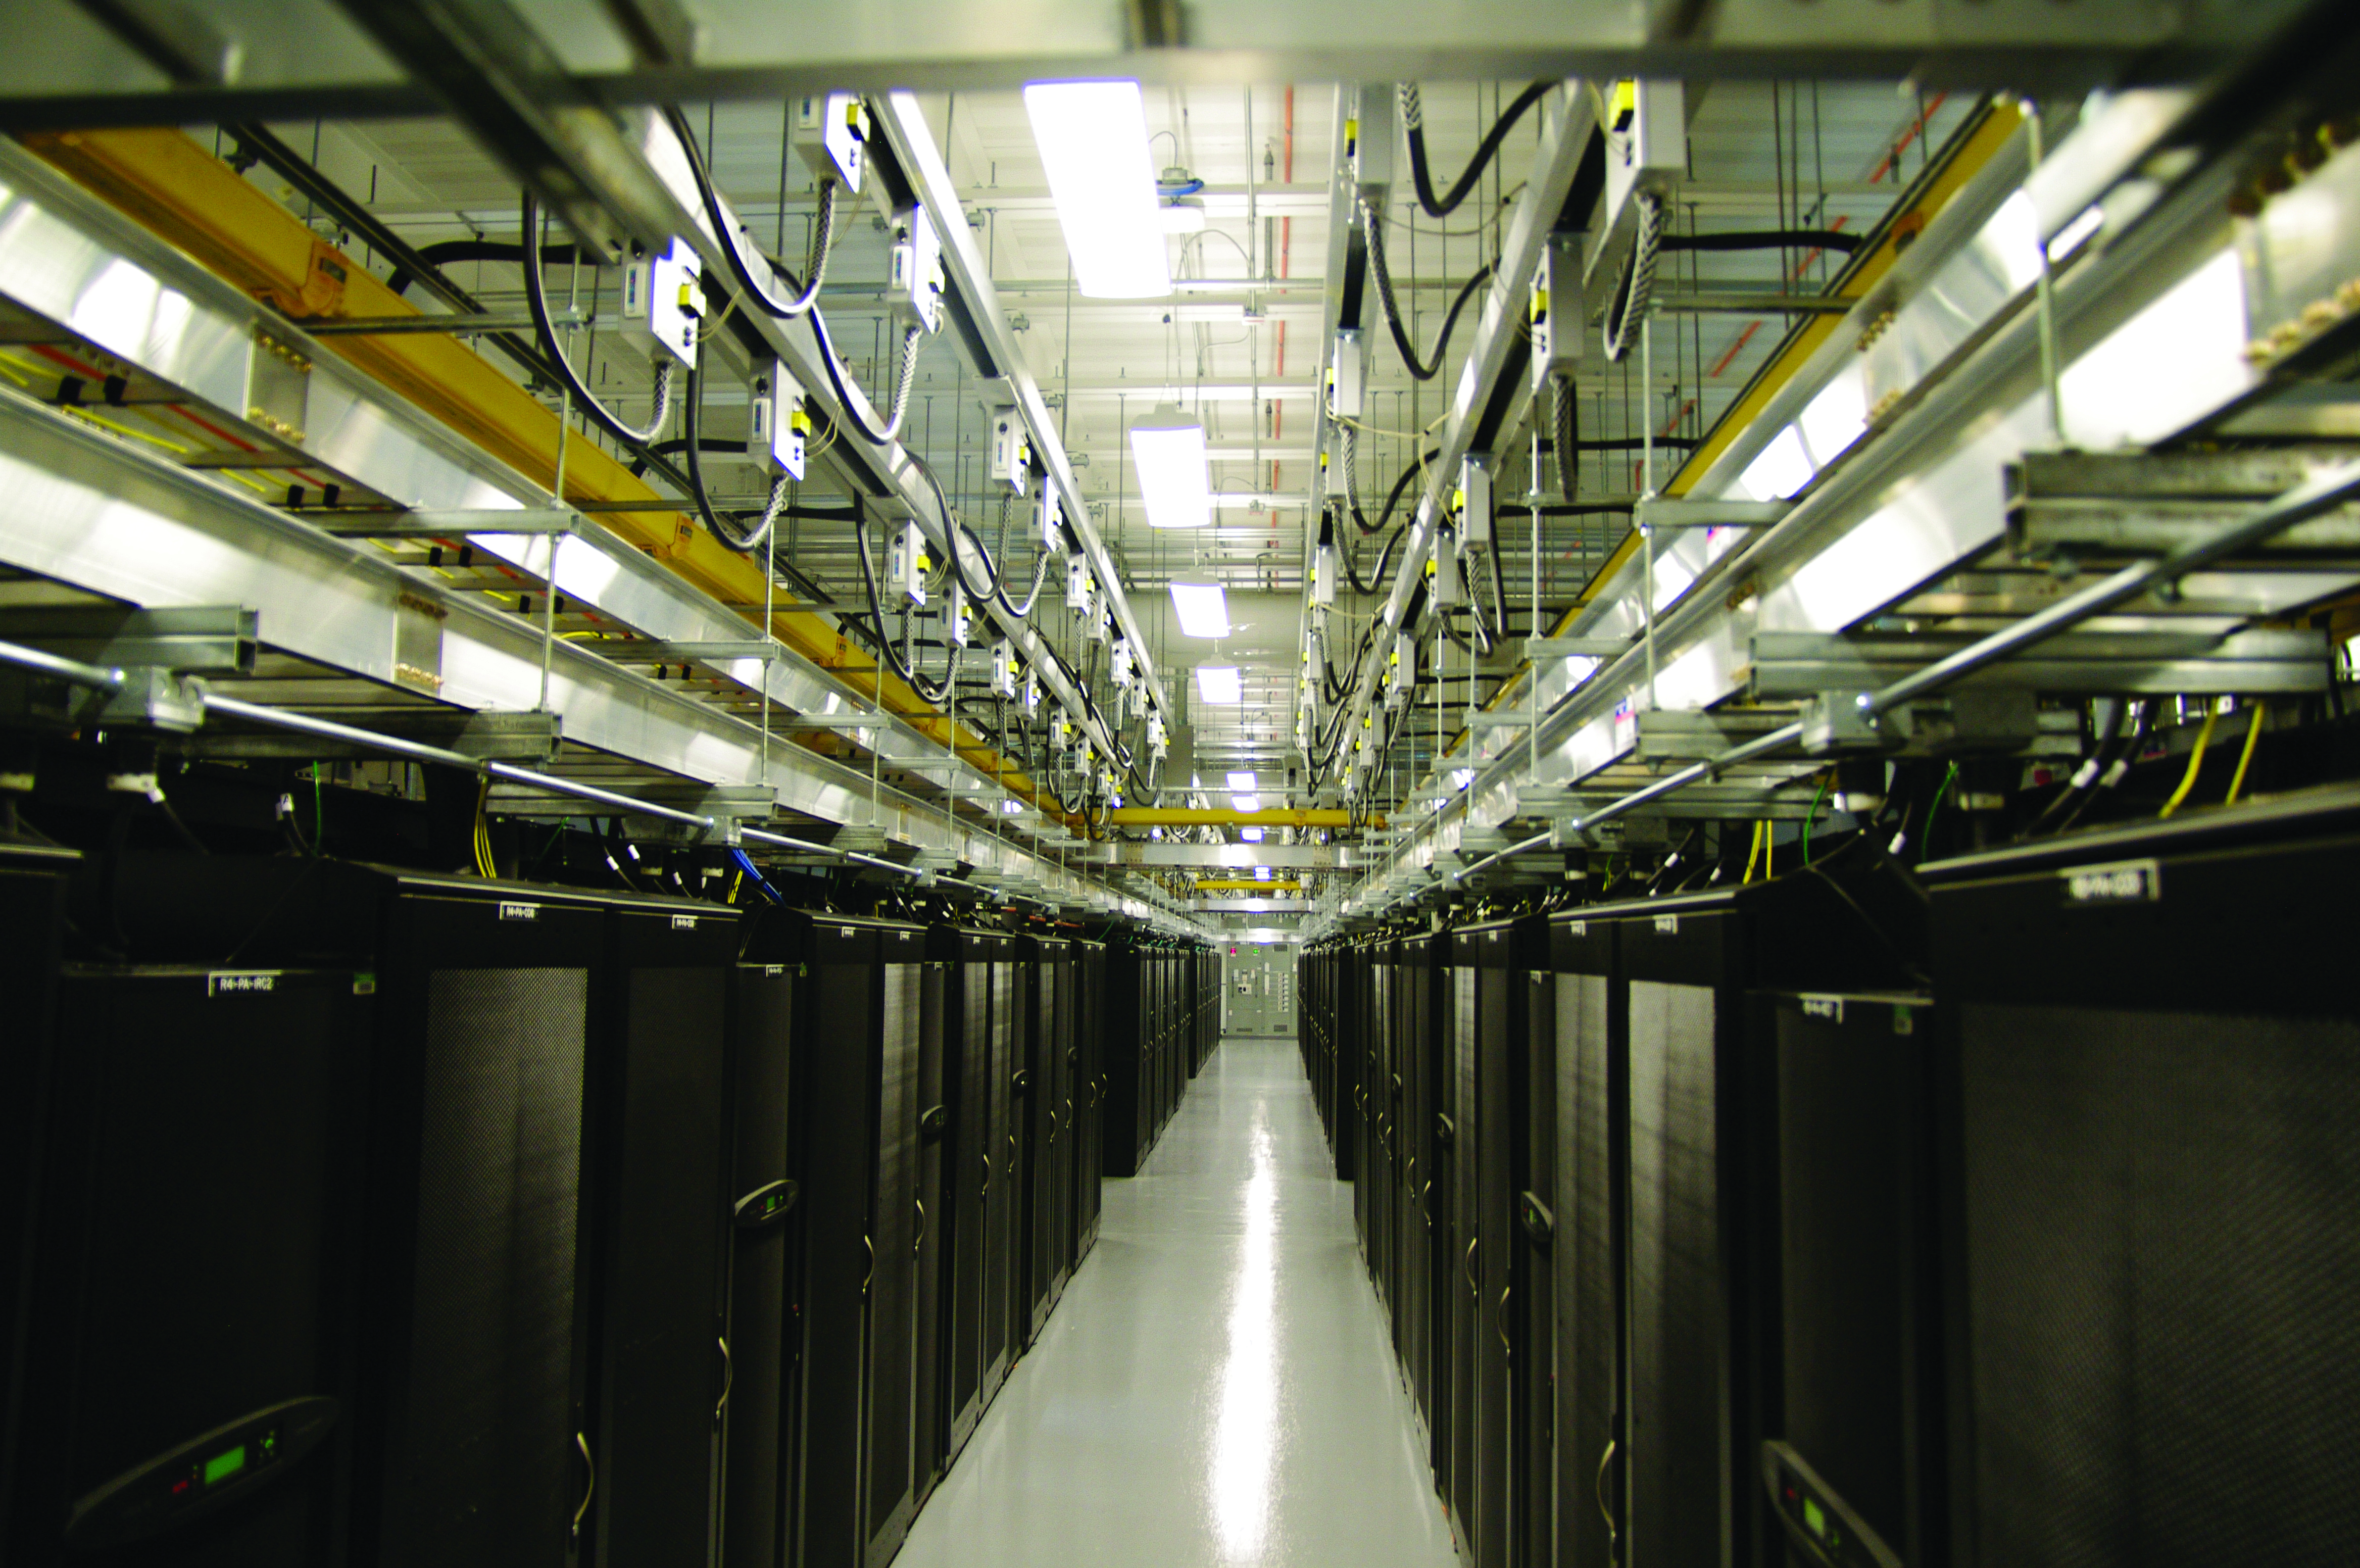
{"x":1413,"y":123}
{"x":1375,"y":229}
{"x":725,"y":235}
{"x":536,"y":293}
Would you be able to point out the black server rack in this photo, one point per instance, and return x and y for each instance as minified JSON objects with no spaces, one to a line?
{"x":1342,"y":1062}
{"x":1852,"y":1450}
{"x":1491,"y":1159}
{"x":2152,"y":1101}
{"x":660,"y":1160}
{"x":1373,"y":1187}
{"x":1047,"y":1214}
{"x":32,"y":911}
{"x":1426,"y":956}
{"x":1089,"y":1093}
{"x":1413,"y":999}
{"x":976,"y":961}
{"x":370,"y":1097}
{"x":1700,"y":1255}
{"x":856,"y":1066}
{"x":1589,"y":1200}
{"x":1124,"y":1061}
{"x":1003,"y":1177}
{"x":761,"y":1424}
{"x":930,"y":1206}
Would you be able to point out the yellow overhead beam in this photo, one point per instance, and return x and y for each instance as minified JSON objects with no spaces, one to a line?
{"x":192,"y":198}
{"x":1221,"y":817}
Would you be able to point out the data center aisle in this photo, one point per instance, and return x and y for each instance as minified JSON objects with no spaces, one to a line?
{"x":1217,"y":1387}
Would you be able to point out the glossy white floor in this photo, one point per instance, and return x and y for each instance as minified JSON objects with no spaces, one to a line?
{"x":1217,"y":1387}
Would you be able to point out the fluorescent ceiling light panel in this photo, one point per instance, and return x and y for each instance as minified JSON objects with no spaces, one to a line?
{"x":1093,"y":142}
{"x":1246,"y":802}
{"x":1220,"y":684}
{"x":1174,"y":479}
{"x":1243,"y":781}
{"x":1253,"y":835}
{"x":1203,"y":610}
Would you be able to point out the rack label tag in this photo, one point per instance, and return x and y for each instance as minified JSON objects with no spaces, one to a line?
{"x":2120,"y":881}
{"x":1667,"y":925}
{"x":684,"y":922}
{"x":1828,"y":1007}
{"x":519,"y":912}
{"x":237,"y":983}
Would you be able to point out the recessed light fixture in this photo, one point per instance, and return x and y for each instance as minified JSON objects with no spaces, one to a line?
{"x":1250,"y":835}
{"x":1168,"y":446}
{"x":1220,"y":684}
{"x":1093,"y":142}
{"x":1203,"y":610}
{"x":1245,"y":802}
{"x":1262,"y":873}
{"x":1243,"y":781}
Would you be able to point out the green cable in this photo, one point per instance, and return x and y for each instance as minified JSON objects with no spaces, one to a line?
{"x":1813,"y":813}
{"x":1926,"y":832}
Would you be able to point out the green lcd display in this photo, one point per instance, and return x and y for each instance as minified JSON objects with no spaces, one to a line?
{"x":222,"y":1466}
{"x":1814,"y":1517}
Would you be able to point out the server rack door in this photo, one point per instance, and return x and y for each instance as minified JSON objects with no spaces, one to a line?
{"x":32,"y":899}
{"x":1041,"y":1205}
{"x":1440,"y":1195}
{"x":194,"y":1271}
{"x":1680,"y":1484}
{"x":969,"y":1071}
{"x":1532,"y":1328}
{"x":1376,"y":1085}
{"x":2151,"y":1100}
{"x":891,"y":1288}
{"x":484,"y":1459}
{"x":1119,"y":1034}
{"x":1846,"y":1145}
{"x":1464,"y":1287}
{"x":1022,"y":1150}
{"x":837,"y":1043}
{"x":1064,"y":1116}
{"x":1500,"y":1016}
{"x":661,"y":1174}
{"x":999,"y":1193}
{"x":759,"y":1457}
{"x":930,"y":1207}
{"x":1589,"y":1198}
{"x":1089,"y":1040}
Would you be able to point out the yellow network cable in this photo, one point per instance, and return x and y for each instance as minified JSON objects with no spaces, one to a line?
{"x":485,"y":865}
{"x":1754,"y":855}
{"x":2246,"y":757}
{"x":2195,"y":761}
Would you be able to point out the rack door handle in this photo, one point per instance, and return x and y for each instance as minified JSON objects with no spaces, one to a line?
{"x":919,"y":1245}
{"x":1466,"y":1268}
{"x":986,"y":1178}
{"x":872,"y":1264}
{"x":1598,"y":1490}
{"x":582,"y":1441}
{"x":728,"y":1376}
{"x":1503,"y":1324}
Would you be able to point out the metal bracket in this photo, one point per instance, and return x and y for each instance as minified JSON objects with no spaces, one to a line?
{"x":208,"y":640}
{"x":1660,"y":513}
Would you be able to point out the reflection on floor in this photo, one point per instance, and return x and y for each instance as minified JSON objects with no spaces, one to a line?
{"x":1217,"y":1387}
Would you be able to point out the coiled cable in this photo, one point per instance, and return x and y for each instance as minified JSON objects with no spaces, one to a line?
{"x":1635,"y":290}
{"x":726,"y":234}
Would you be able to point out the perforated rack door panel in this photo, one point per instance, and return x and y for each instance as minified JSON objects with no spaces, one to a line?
{"x":2163,"y":1258}
{"x":482,"y":1466}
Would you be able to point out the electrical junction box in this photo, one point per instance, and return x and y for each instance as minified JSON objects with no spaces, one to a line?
{"x":1011,"y":452}
{"x":907,"y":565}
{"x":1155,"y":733}
{"x":1119,"y":665}
{"x":956,"y":622}
{"x":1557,"y":337}
{"x":1003,"y":669}
{"x":1053,"y":520}
{"x":661,"y":302}
{"x":780,"y":422}
{"x":1031,"y":690}
{"x":832,"y":135}
{"x":1474,"y":500}
{"x":1081,"y":593}
{"x":916,"y":284}
{"x":1101,"y":623}
{"x":1401,"y":678}
{"x":1323,"y":575}
{"x":1442,"y":570}
{"x":1348,"y":392}
{"x":1646,"y":150}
